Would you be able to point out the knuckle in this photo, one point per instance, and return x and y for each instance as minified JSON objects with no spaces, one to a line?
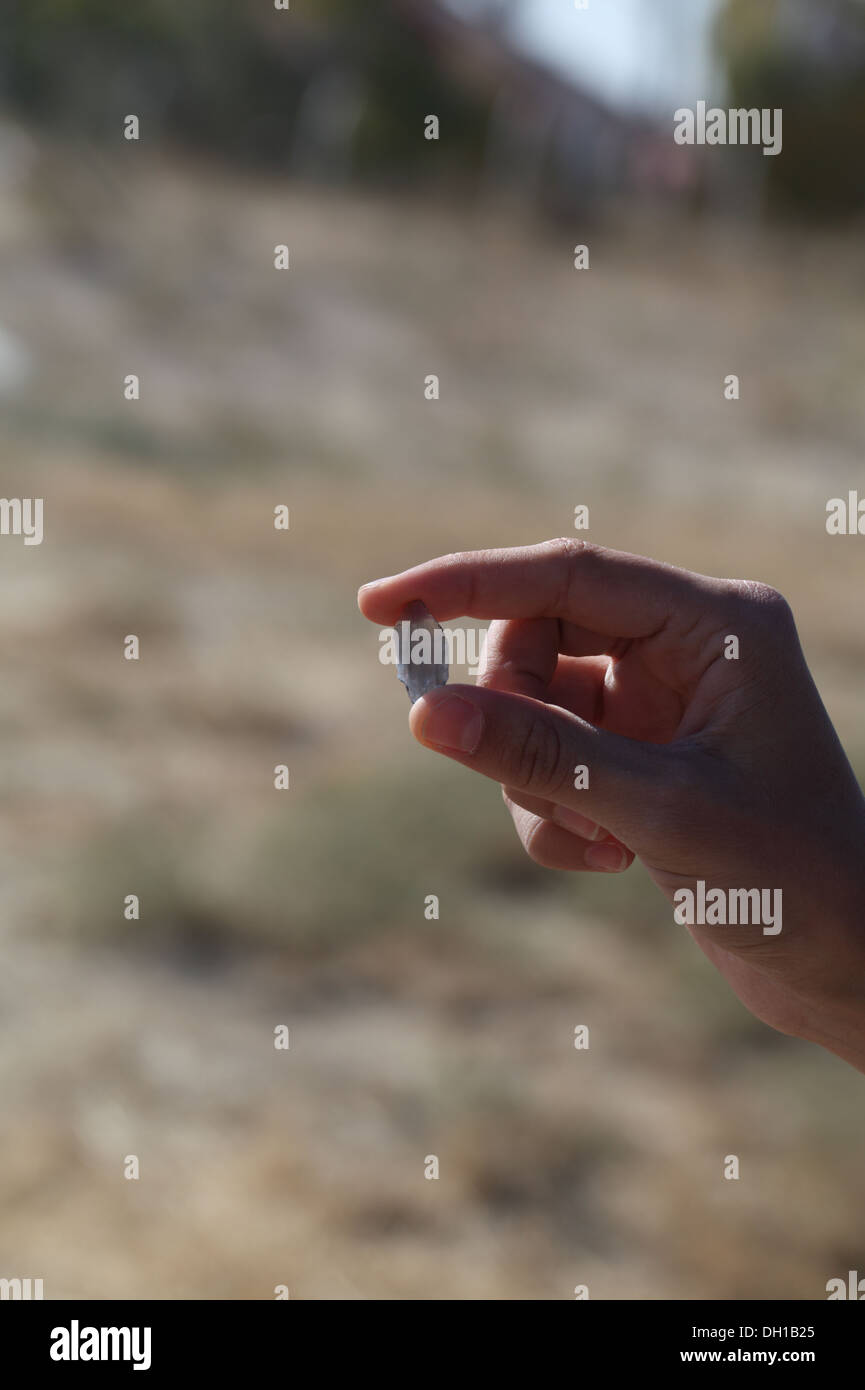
{"x":490,"y":673}
{"x":762,"y":615}
{"x":772,"y":605}
{"x":533,"y":832}
{"x":568,"y":547}
{"x":570,"y":552}
{"x":759,"y":602}
{"x":538,"y":760}
{"x":534,"y":844}
{"x":495,"y":678}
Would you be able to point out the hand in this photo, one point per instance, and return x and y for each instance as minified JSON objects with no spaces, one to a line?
{"x":725,"y":771}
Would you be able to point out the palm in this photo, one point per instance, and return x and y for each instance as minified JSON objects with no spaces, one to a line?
{"x":646,"y":688}
{"x":649,"y":692}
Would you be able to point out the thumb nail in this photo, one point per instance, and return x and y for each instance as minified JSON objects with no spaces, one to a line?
{"x":453,"y":723}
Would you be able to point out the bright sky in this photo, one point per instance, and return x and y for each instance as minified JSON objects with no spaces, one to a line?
{"x":650,"y":54}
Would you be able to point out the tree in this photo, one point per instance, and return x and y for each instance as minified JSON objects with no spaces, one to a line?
{"x":808,"y":58}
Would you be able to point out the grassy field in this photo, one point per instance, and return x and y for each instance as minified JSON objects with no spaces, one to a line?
{"x":258,"y":908}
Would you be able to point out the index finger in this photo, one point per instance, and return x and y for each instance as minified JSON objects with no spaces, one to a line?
{"x":607,"y":591}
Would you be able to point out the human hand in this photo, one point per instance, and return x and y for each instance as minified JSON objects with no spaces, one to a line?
{"x":725,"y":772}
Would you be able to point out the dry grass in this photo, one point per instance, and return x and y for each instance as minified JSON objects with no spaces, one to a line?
{"x":408,"y":1037}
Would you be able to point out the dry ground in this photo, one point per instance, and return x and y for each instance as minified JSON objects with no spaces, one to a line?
{"x":408,"y":1037}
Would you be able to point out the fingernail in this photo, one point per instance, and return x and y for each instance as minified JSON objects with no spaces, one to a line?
{"x":453,"y":723}
{"x":577,"y":824}
{"x":373,"y":584}
{"x":610,"y":859}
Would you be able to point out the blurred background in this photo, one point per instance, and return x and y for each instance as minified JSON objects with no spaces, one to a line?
{"x":306,"y":908}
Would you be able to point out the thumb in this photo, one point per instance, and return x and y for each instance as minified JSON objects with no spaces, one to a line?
{"x":542,"y":750}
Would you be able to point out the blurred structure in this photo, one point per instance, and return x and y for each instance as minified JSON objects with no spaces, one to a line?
{"x":339,"y":93}
{"x":807,"y":57}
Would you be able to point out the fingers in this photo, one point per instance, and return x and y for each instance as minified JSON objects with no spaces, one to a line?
{"x":541,"y":750}
{"x":523,"y":657}
{"x":558,"y":838}
{"x":554,"y":848}
{"x":604,"y":591}
{"x":572,"y":821}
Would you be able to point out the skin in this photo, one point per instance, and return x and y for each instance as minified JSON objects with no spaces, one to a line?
{"x":705,"y":768}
